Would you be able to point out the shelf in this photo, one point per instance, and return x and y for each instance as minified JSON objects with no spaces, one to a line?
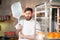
{"x":45,"y":13}
{"x":42,"y":17}
{"x":40,"y":11}
{"x":37,"y":29}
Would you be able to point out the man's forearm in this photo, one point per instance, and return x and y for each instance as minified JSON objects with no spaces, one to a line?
{"x":29,"y":37}
{"x":17,"y":31}
{"x":19,"y":28}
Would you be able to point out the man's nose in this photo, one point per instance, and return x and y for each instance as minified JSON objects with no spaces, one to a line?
{"x":26,"y":15}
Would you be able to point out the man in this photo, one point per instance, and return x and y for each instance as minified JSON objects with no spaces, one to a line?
{"x":26,"y":27}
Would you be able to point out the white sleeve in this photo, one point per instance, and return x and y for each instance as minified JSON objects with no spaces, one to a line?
{"x":38,"y":28}
{"x":19,"y":23}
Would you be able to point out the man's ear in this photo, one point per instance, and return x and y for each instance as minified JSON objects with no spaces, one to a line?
{"x":32,"y":14}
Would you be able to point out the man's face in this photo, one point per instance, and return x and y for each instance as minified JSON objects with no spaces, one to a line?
{"x":28,"y":15}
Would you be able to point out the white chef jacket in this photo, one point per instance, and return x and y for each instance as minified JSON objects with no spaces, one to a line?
{"x":28,"y":27}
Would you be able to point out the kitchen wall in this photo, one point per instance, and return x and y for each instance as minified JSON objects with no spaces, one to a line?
{"x":5,"y":6}
{"x":32,"y":3}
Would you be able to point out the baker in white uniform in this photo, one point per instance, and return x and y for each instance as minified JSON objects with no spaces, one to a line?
{"x":25,"y":27}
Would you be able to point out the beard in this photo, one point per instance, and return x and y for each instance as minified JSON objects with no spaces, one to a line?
{"x":28,"y":18}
